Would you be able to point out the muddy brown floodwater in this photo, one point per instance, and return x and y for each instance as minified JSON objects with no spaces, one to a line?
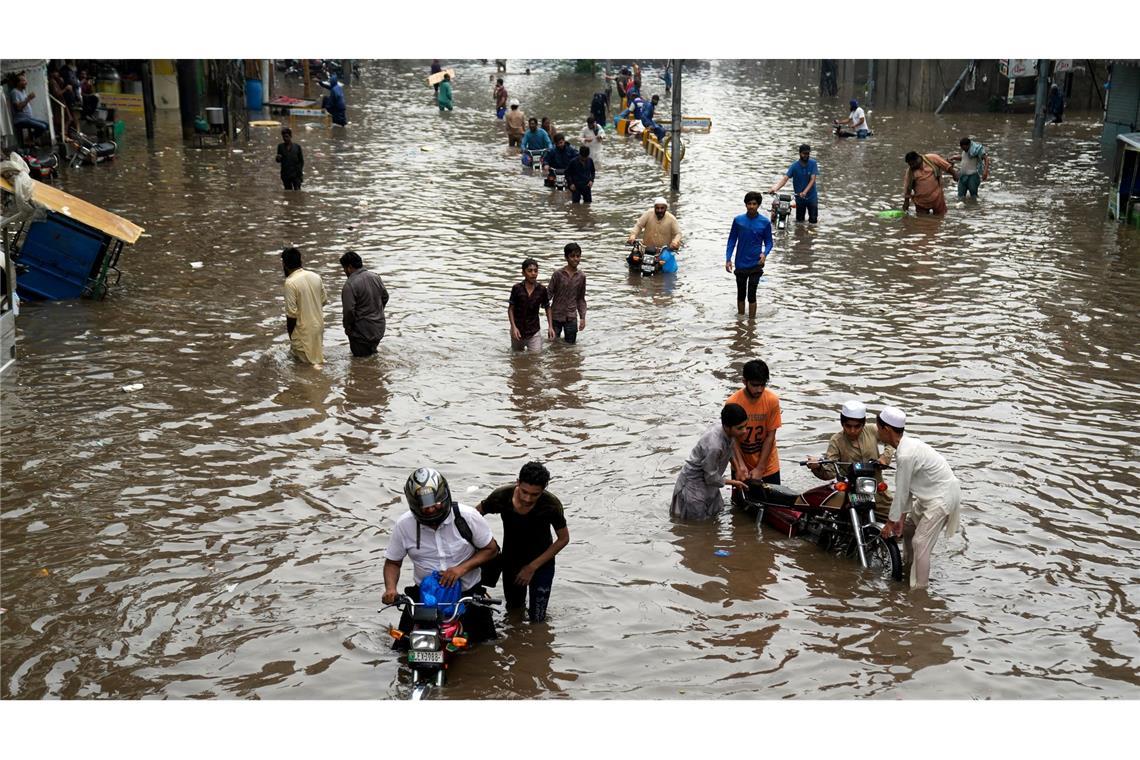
{"x":219,"y":533}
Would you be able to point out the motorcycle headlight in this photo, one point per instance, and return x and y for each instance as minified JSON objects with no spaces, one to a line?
{"x":865,"y":486}
{"x":424,"y":641}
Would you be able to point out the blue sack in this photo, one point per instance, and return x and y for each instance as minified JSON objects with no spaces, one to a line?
{"x":433,"y":594}
{"x":668,"y":261}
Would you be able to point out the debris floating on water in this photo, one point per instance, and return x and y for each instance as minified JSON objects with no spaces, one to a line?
{"x":132,"y":387}
{"x":196,"y":265}
{"x":721,"y":553}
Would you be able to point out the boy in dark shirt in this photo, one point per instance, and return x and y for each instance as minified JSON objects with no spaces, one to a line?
{"x":292,"y":161}
{"x":529,"y":515}
{"x":527,"y":297}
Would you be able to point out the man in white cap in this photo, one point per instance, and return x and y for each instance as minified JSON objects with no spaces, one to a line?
{"x":516,"y":124}
{"x":927,"y":497}
{"x":854,"y":443}
{"x":660,"y":227}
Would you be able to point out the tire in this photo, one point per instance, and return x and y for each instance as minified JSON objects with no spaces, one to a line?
{"x":883,"y":556}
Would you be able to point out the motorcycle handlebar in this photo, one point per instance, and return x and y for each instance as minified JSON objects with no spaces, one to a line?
{"x":878,"y":464}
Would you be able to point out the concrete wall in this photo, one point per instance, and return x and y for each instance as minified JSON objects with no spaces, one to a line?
{"x":165,"y":85}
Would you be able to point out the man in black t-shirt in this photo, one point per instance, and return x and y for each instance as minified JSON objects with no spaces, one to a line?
{"x":529,"y":515}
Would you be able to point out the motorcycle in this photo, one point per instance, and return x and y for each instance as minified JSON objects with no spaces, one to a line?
{"x":434,"y":640}
{"x":781,"y":209}
{"x":839,"y":516}
{"x":646,"y":260}
{"x":45,"y":168}
{"x":556,"y":179}
{"x":532,"y":159}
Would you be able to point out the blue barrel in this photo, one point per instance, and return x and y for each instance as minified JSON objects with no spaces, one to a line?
{"x":253,"y":94}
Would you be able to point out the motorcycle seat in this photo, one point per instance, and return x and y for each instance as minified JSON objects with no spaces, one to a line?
{"x":772,"y":494}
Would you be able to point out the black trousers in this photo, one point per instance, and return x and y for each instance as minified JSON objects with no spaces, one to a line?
{"x":291,"y":183}
{"x":361,"y":347}
{"x":749,"y":278}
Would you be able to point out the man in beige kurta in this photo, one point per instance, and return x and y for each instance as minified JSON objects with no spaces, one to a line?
{"x":304,"y":317}
{"x":660,"y":228}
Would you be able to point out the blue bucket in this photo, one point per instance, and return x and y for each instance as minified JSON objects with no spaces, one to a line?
{"x":253,"y":94}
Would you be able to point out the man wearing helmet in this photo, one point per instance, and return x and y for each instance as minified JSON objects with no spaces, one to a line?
{"x":854,"y":443}
{"x":432,"y":534}
{"x":659,"y":226}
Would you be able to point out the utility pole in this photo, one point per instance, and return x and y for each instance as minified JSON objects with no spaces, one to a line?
{"x":148,"y":98}
{"x":308,"y":78}
{"x":675,"y":146}
{"x":1042,"y":98}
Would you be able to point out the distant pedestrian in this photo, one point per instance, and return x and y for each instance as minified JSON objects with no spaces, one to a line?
{"x":443,"y":96}
{"x":334,"y":101}
{"x":304,"y":316}
{"x":856,"y":125}
{"x":973,"y":167}
{"x":527,"y":297}
{"x":580,"y":177}
{"x":591,"y":137}
{"x":667,"y":75}
{"x":435,"y":69}
{"x":1056,"y":104}
{"x":568,"y":295}
{"x":292,"y":161}
{"x":500,"y":95}
{"x":922,"y":183}
{"x":804,"y":174}
{"x":548,"y":126}
{"x":696,"y":494}
{"x":362,"y":299}
{"x":516,"y":124}
{"x":751,"y":236}
{"x":599,"y":105}
{"x":501,"y":65}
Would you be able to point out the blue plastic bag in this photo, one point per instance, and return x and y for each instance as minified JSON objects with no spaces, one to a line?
{"x":434,"y":594}
{"x":668,"y":261}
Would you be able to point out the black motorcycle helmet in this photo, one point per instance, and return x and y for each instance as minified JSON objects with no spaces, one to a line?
{"x":425,"y":487}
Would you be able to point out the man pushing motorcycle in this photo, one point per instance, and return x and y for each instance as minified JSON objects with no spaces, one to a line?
{"x":442,"y":535}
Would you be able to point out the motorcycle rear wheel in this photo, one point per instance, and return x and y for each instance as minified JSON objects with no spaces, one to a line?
{"x":883,"y":556}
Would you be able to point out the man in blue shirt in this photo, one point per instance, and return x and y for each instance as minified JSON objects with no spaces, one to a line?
{"x":751,"y":236}
{"x":534,"y":138}
{"x":647,"y":111}
{"x":803,"y":174}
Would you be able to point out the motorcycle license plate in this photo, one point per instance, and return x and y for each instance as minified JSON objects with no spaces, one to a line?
{"x":427,"y":658}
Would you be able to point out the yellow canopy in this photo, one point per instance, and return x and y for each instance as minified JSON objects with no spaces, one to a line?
{"x":81,"y":211}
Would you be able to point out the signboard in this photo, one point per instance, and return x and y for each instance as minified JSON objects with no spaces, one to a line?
{"x":696,"y":124}
{"x":1063,"y":67}
{"x":1018,"y":67}
{"x":306,"y":112}
{"x":121,"y":102}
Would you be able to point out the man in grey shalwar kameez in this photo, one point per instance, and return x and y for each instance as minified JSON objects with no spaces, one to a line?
{"x":363,"y":299}
{"x":697,"y":495}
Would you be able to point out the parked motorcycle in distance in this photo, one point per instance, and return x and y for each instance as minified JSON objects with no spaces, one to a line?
{"x":839,"y":516}
{"x":434,"y":639}
{"x":532,"y":159}
{"x":646,"y":260}
{"x":781,"y":209}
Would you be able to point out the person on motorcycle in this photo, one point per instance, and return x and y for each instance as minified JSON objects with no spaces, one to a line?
{"x":660,"y":229}
{"x":804,"y":174}
{"x":927,"y":494}
{"x":558,"y":158}
{"x":535,"y":138}
{"x":854,"y":443}
{"x":696,"y":494}
{"x":856,"y":120}
{"x":530,"y":513}
{"x":440,"y":534}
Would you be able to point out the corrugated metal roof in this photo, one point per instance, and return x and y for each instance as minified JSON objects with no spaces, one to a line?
{"x":1132,"y":138}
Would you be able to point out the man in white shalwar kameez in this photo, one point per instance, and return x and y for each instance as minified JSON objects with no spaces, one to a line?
{"x":697,"y":495}
{"x":927,"y":498}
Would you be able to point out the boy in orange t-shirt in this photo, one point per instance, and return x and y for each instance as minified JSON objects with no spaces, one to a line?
{"x":755,"y":457}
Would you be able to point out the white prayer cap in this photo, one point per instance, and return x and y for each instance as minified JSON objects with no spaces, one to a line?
{"x":514,"y":101}
{"x":659,"y":201}
{"x":855,"y":410}
{"x":893,"y":416}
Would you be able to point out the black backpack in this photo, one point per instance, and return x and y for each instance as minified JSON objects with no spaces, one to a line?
{"x":493,"y":567}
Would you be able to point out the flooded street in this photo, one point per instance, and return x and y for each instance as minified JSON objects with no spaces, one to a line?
{"x":220,"y":532}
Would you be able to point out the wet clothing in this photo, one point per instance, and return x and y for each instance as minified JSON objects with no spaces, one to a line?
{"x":334,"y":101}
{"x":659,"y":233}
{"x":763,"y":416}
{"x":525,"y":538}
{"x":567,"y":295}
{"x":304,"y":298}
{"x":750,"y":237}
{"x":598,"y":106}
{"x":1056,"y":104}
{"x":801,"y":175}
{"x":363,"y":299}
{"x":747,"y":281}
{"x":592,"y":139}
{"x":525,"y":306}
{"x":500,"y":101}
{"x":566,"y":328}
{"x":578,"y":175}
{"x":536,"y":140}
{"x":928,"y":493}
{"x":443,"y":97}
{"x":696,"y":494}
{"x":863,"y":129}
{"x":561,"y":159}
{"x":292,"y":161}
{"x":924,"y":185}
{"x":438,"y":548}
{"x":970,"y":170}
{"x":865,"y":448}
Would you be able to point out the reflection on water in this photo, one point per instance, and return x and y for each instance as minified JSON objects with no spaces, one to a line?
{"x":219,"y":533}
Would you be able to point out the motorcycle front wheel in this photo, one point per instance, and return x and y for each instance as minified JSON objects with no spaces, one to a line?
{"x":883,"y":556}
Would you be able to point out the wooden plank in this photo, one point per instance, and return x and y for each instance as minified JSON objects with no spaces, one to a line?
{"x":54,"y":199}
{"x":436,"y":78}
